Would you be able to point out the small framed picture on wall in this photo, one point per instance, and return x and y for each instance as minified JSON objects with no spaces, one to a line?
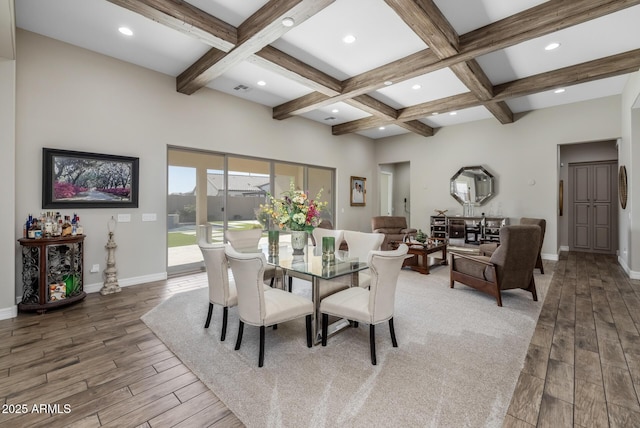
{"x":358,"y":191}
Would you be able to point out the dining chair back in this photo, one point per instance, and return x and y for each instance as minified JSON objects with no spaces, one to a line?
{"x":222,"y":290}
{"x":248,"y":239}
{"x":260,"y":306}
{"x":244,"y":239}
{"x":319,"y":233}
{"x":360,"y":243}
{"x":374,"y":305}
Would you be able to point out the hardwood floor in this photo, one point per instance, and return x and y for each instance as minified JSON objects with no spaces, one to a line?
{"x":583,"y":364}
{"x":102,"y":362}
{"x":98,"y":358}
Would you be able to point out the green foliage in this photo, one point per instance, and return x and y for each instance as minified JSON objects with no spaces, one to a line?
{"x":177,"y":239}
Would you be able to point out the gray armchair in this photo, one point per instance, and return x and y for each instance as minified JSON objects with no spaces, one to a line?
{"x":488,"y":249}
{"x":394,"y":228}
{"x":509,"y":267}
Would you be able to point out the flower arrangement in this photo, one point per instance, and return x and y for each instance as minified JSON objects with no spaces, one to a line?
{"x":294,"y":211}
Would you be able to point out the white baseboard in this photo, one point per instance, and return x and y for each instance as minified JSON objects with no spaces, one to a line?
{"x":126,"y":282}
{"x":563,"y":248}
{"x":632,"y":274}
{"x":547,"y":256}
{"x":10,"y":312}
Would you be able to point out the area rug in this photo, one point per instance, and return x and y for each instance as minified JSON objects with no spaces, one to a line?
{"x":457,"y":363}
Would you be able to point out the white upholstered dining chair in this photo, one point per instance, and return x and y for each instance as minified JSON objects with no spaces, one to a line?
{"x":360,"y":244}
{"x":259,"y":307}
{"x":373,"y":305}
{"x":222,"y":290}
{"x":249,"y":239}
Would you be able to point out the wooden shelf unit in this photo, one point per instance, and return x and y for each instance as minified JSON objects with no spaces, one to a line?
{"x":474,"y":230}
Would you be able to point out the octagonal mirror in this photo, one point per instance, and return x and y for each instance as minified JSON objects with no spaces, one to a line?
{"x":472,"y":184}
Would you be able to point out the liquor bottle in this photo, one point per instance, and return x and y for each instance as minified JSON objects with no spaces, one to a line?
{"x":79,"y":228}
{"x":48,"y":226}
{"x":66,"y":226}
{"x":31,"y":230}
{"x":74,"y":230}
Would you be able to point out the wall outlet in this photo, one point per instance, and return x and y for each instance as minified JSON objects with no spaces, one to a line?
{"x":95,"y":268}
{"x":124,"y":218}
{"x":149,"y":217}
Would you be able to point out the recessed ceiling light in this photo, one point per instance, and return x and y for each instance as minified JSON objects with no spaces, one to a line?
{"x":559,"y":91}
{"x":381,"y":128}
{"x":552,"y":46}
{"x":126,"y":31}
{"x":335,"y":110}
{"x":453,"y":113}
{"x":288,"y":22}
{"x":261,"y":83}
{"x":416,"y":86}
{"x":349,"y":38}
{"x":388,"y":83}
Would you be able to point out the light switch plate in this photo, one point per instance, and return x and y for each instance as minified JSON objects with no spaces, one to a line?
{"x":149,"y":217}
{"x":124,"y":218}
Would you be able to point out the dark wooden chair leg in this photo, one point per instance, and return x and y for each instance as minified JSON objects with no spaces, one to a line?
{"x":206,"y":324}
{"x":372,"y":343}
{"x":273,"y":280}
{"x":239,"y":338}
{"x":325,"y":328}
{"x":308,"y":320}
{"x":539,"y":264}
{"x":290,"y":284}
{"x":532,"y":289}
{"x":261,"y":354}
{"x":393,"y":333}
{"x":225,"y":313}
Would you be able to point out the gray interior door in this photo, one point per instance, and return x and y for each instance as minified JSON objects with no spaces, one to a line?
{"x":592,"y":204}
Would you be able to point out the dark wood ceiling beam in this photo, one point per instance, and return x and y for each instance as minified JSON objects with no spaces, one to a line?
{"x":424,"y":17}
{"x":548,"y":17}
{"x":615,"y":65}
{"x":279,"y":62}
{"x":373,"y":106}
{"x":537,"y":21}
{"x":258,"y":31}
{"x":187,"y":19}
{"x":417,"y":127}
{"x":611,"y":66}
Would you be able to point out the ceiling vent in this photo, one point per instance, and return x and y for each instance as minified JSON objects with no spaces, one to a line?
{"x":329,"y":118}
{"x":241,"y":88}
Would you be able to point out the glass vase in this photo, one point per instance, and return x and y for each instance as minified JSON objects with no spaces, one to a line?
{"x":298,"y":241}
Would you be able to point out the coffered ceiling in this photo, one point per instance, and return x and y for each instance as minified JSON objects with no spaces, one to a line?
{"x":414,"y":66}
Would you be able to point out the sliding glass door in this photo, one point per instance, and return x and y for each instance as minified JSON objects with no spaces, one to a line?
{"x":209,"y":193}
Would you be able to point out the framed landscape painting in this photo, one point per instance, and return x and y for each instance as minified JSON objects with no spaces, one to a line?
{"x":88,"y":180}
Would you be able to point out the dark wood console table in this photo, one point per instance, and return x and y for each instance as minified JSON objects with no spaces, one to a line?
{"x":50,"y":265}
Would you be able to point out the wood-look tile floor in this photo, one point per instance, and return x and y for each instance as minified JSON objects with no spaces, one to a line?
{"x":100,"y":360}
{"x":583,"y":364}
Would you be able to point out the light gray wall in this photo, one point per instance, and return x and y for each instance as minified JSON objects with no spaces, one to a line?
{"x":522,"y":156}
{"x":7,"y":178}
{"x":71,"y":98}
{"x":629,"y":155}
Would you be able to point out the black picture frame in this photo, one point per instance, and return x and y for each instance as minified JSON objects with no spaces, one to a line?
{"x":72,"y":179}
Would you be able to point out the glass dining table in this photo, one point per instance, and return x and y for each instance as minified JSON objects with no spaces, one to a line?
{"x":325,"y":277}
